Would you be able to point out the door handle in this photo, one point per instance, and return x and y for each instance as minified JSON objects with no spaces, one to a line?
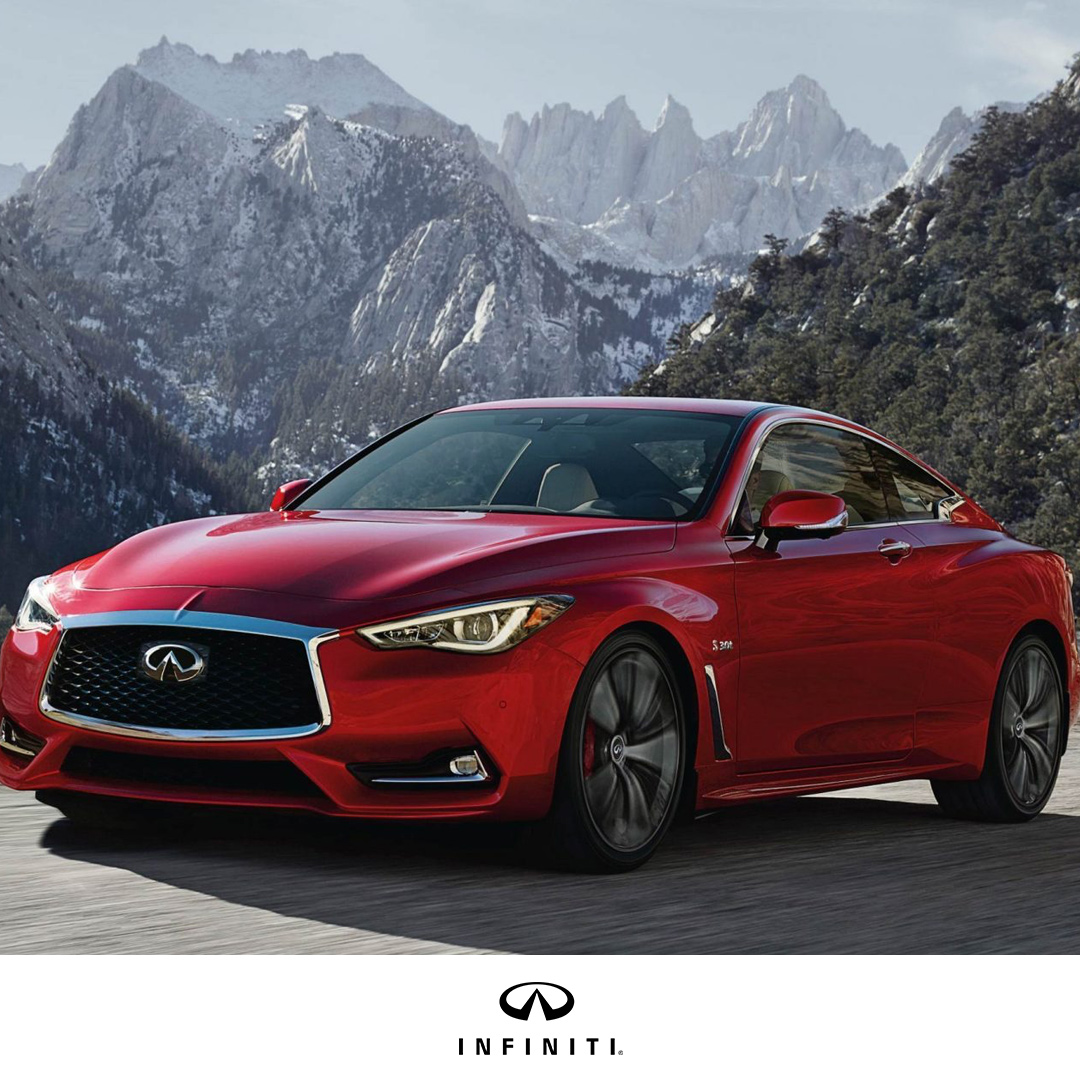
{"x":894,"y":549}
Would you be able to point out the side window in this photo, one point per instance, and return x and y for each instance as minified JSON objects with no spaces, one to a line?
{"x":917,"y":492}
{"x":815,"y":458}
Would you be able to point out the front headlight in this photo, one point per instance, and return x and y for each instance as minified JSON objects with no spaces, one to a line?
{"x":36,"y":611}
{"x":480,"y":628}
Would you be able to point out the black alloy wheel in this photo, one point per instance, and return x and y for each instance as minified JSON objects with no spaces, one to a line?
{"x":1023,"y":750}
{"x":622,"y":761}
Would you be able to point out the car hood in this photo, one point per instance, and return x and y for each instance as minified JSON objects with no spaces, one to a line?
{"x":362,"y":555}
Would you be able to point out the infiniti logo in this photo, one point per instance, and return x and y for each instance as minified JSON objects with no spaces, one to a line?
{"x":169,"y":662}
{"x":519,"y":1003}
{"x":521,"y":1012}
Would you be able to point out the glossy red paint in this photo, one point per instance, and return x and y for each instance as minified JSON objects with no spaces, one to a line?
{"x":866,"y":657}
{"x":287,"y":492}
{"x":350,"y":556}
{"x":791,"y":511}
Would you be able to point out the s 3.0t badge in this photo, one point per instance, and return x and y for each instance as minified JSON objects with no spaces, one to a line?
{"x":169,"y":662}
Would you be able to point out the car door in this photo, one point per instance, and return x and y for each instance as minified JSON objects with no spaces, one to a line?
{"x":969,"y":605}
{"x":830,"y":630}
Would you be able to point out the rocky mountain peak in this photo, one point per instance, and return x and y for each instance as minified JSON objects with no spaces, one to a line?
{"x":672,"y":153}
{"x":953,"y":136}
{"x":803,"y":86}
{"x":796,"y":126}
{"x":131,"y":122}
{"x":955,"y":120}
{"x":618,"y":109}
{"x":254,"y":88}
{"x":666,"y":198}
{"x":674,"y":116}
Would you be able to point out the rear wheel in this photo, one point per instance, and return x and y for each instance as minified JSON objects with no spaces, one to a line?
{"x":1023,"y":750}
{"x":621,"y":762}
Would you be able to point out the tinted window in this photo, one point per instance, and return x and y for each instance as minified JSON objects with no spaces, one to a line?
{"x":686,"y":462}
{"x":814,"y":458}
{"x":917,"y":493}
{"x":462,"y":468}
{"x":628,"y":463}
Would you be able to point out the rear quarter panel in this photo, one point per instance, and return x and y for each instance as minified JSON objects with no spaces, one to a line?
{"x":984,"y":588}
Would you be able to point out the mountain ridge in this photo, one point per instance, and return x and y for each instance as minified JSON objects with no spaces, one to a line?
{"x":233,"y":265}
{"x":281,"y":284}
{"x":254,"y":88}
{"x":668,"y":198}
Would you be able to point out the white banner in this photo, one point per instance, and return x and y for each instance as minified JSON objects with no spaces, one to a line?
{"x":290,"y":1017}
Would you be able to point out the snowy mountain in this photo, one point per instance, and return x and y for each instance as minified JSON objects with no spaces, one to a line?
{"x":256,"y":88}
{"x":285,"y":289}
{"x":82,"y":464}
{"x":11,"y":177}
{"x":284,"y":255}
{"x":953,"y":136}
{"x":667,"y":198}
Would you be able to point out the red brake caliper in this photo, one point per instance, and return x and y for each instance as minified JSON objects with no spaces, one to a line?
{"x":589,"y":750}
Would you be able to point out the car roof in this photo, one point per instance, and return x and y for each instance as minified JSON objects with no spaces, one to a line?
{"x":726,"y":406}
{"x":721,"y":406}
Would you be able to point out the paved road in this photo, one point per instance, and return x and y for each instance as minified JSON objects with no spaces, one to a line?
{"x":873,"y":870}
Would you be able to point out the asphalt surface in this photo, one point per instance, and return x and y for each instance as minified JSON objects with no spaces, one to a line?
{"x":876,"y":870}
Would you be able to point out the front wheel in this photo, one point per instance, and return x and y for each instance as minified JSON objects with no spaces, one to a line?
{"x":1023,"y":748}
{"x":622,"y":759}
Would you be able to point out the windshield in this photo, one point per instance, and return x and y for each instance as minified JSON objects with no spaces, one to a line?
{"x":610,"y":462}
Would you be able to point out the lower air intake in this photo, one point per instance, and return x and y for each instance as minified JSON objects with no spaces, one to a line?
{"x":251,"y":777}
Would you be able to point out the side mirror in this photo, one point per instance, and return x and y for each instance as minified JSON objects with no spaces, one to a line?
{"x":800,"y":515}
{"x":287,"y":492}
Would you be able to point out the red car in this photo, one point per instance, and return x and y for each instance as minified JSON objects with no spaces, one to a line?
{"x":595,"y":614}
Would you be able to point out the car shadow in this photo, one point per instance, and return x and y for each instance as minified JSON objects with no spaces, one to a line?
{"x":847,"y":874}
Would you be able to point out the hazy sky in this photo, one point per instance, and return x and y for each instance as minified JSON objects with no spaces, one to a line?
{"x":892,"y":67}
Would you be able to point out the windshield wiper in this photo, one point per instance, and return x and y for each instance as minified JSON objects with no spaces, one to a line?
{"x":492,"y":508}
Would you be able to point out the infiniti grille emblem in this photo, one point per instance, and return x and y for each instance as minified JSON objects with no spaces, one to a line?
{"x":171,"y":662}
{"x":521,"y":1012}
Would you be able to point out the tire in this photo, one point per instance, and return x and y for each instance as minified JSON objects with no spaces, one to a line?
{"x":1024,"y":742}
{"x":622,"y":759}
{"x":102,"y":813}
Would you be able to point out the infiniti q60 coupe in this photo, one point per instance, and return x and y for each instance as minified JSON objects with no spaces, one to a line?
{"x":597,"y":615}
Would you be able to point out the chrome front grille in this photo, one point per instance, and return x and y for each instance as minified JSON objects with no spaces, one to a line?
{"x":254,"y":685}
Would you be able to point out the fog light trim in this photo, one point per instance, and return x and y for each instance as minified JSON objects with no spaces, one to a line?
{"x":16,"y":741}
{"x":453,"y":768}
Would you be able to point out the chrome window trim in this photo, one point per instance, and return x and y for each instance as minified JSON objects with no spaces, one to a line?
{"x":781,"y":421}
{"x":312,"y":638}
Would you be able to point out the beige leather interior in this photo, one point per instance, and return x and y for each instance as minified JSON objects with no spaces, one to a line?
{"x":855,"y":515}
{"x":566,"y":486}
{"x":769,"y":483}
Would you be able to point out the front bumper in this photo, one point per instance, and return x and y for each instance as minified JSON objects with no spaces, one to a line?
{"x":384,"y":707}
